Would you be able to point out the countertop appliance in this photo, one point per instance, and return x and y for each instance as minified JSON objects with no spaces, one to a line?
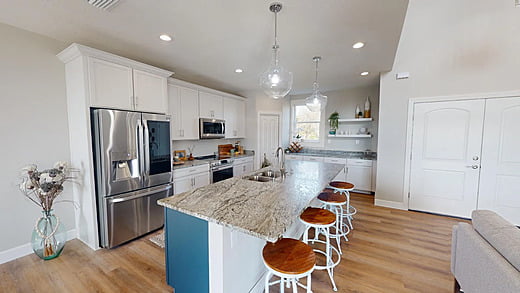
{"x":133,"y":170}
{"x":212,"y":128}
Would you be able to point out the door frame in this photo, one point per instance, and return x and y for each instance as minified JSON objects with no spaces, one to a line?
{"x":259,"y":114}
{"x":409,"y":130}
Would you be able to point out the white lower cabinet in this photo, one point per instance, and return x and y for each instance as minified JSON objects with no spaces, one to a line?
{"x":186,"y":179}
{"x":359,"y":173}
{"x":242,"y":166}
{"x":342,"y":175}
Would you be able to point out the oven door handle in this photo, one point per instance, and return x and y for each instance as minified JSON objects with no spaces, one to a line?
{"x":222,"y":168}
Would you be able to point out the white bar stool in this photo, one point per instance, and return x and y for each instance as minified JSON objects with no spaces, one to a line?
{"x":335,"y":202}
{"x":321,"y":220}
{"x":345,"y":188}
{"x":289,"y":259}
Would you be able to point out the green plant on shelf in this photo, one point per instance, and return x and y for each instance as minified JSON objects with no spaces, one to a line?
{"x":334,"y":121}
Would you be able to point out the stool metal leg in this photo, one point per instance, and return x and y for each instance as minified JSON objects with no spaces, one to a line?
{"x":267,"y":277}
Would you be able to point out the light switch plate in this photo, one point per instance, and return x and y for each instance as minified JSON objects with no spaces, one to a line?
{"x":402,"y":75}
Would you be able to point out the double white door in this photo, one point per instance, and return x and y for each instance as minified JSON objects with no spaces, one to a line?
{"x":465,"y":157}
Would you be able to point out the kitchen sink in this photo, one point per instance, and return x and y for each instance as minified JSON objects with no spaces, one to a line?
{"x":269,"y":173}
{"x":259,"y":178}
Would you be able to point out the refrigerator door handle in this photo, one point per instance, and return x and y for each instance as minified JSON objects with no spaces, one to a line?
{"x":138,"y":195}
{"x":140,"y":146}
{"x":146,"y":147}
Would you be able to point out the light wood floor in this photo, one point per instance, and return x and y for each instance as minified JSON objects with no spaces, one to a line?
{"x":389,"y":251}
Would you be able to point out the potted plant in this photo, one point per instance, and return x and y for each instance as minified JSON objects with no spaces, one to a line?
{"x":333,"y":122}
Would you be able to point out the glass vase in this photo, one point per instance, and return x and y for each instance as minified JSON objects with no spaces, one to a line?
{"x":49,"y":236}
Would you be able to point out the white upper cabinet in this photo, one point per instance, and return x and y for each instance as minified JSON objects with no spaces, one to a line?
{"x":234,"y":114}
{"x":210,"y":106}
{"x":150,"y":94}
{"x":110,"y":84}
{"x":184,"y":111}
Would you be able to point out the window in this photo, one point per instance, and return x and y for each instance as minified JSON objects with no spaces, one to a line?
{"x":307,"y":124}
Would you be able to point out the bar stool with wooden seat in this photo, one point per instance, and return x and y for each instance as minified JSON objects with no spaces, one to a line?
{"x":289,"y":259}
{"x":345,"y":188}
{"x":335,"y":202}
{"x":321,"y":220}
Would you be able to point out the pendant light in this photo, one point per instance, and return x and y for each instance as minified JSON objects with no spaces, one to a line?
{"x":316,"y":102}
{"x":276,"y":81}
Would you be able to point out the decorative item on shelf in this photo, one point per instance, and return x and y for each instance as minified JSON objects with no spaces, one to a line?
{"x":316,"y":102}
{"x":190,"y":149}
{"x":224,"y":150}
{"x":367,"y":109}
{"x":333,"y":122}
{"x":181,"y":154}
{"x":42,"y":188}
{"x":295,"y":147}
{"x":358,"y":111}
{"x":276,"y":81}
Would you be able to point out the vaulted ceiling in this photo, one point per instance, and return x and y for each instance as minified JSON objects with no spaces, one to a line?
{"x":211,"y":38}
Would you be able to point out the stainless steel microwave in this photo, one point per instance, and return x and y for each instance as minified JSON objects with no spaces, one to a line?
{"x":212,"y":128}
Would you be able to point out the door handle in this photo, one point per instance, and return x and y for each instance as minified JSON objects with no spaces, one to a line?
{"x":473,"y":166}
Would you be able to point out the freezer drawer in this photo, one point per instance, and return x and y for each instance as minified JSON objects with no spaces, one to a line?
{"x":134,"y":214}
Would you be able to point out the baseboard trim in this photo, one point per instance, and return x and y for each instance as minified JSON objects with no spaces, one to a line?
{"x":26,"y":249}
{"x":391,"y":204}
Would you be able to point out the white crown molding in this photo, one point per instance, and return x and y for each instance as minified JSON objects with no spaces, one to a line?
{"x":26,"y":249}
{"x":178,"y":82}
{"x":76,"y":50}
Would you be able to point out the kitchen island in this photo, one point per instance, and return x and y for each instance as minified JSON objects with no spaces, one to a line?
{"x":215,"y":234}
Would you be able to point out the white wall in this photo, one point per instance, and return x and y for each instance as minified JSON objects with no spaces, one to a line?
{"x":202,"y":147}
{"x":345,"y":102}
{"x":449,"y":48}
{"x":33,"y":127}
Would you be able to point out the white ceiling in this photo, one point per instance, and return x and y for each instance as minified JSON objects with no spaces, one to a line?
{"x":213,"y":37}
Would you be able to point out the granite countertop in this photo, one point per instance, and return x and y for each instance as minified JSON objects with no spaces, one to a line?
{"x":194,"y":163}
{"x":262,"y":209}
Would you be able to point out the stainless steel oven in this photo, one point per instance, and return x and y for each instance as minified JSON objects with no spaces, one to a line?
{"x":212,"y":128}
{"x":221,"y":170}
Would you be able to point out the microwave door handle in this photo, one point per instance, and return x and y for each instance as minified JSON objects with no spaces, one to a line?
{"x":223,"y":127}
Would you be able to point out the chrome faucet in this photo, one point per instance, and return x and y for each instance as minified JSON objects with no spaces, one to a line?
{"x":282,"y":159}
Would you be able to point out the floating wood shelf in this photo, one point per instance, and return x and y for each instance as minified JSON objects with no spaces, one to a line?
{"x":356,"y":120}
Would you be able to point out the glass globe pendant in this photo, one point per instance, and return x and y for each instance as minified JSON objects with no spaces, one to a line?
{"x":316,"y":102}
{"x":276,"y":81}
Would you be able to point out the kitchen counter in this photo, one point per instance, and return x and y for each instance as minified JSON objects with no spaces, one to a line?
{"x":337,"y":154}
{"x":262,"y":209}
{"x":196,"y":162}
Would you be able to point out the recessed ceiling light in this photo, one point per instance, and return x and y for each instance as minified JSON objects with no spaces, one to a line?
{"x":165,"y":38}
{"x":358,"y":45}
{"x":239,"y":70}
{"x":364,"y":73}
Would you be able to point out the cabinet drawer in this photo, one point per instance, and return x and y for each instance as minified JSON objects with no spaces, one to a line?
{"x":313,"y":159}
{"x":179,"y":173}
{"x":359,"y":162}
{"x":243,"y":160}
{"x":335,"y":160}
{"x":293,"y":157}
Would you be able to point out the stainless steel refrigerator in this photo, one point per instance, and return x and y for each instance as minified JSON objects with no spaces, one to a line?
{"x":133,"y":170}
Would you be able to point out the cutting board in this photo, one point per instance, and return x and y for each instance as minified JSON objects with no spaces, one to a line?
{"x":225,"y":149}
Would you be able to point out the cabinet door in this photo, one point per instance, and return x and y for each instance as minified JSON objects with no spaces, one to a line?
{"x":313,"y":159}
{"x":230,"y":114}
{"x":201,"y":179}
{"x":294,"y":157}
{"x":189,"y":113}
{"x":174,"y":109}
{"x":238,"y":170}
{"x":210,"y":106}
{"x":249,"y":167}
{"x":240,"y":119}
{"x":110,"y":85}
{"x":150,"y":92}
{"x":182,"y":184}
{"x":360,"y":176}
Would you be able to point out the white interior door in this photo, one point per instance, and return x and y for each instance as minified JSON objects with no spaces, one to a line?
{"x":268,"y":136}
{"x":445,"y":166}
{"x":500,"y":174}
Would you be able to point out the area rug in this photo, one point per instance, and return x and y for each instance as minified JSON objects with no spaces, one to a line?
{"x":158,"y":239}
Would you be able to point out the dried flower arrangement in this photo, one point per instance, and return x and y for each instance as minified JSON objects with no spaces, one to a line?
{"x":42,"y":187}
